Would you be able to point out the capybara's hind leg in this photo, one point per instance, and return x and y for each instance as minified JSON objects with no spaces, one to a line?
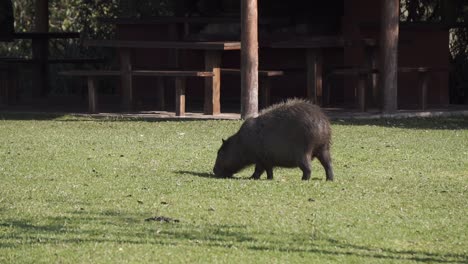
{"x":258,"y":172}
{"x":269,"y":172}
{"x":324,"y":157}
{"x":305,"y":167}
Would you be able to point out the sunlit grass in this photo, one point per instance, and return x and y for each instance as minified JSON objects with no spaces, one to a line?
{"x":78,"y":190}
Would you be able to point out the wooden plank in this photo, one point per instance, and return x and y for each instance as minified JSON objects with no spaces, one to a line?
{"x":52,"y":60}
{"x":212,"y":105}
{"x":170,"y":20}
{"x":180,"y":96}
{"x":75,"y":60}
{"x":310,"y":43}
{"x":262,"y":73}
{"x":194,"y":45}
{"x":173,"y":73}
{"x":249,"y":59}
{"x":148,"y":73}
{"x":95,"y":73}
{"x":46,"y":35}
{"x":389,"y":35}
{"x":186,"y":20}
{"x":92,"y":95}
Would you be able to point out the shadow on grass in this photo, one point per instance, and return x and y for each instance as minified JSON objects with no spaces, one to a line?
{"x":197,"y":174}
{"x":29,"y":116}
{"x":434,"y":123}
{"x":212,"y":176}
{"x":79,"y":227}
{"x":44,"y":116}
{"x":206,"y":175}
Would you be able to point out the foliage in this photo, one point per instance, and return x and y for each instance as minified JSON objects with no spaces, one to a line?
{"x":420,"y":10}
{"x":79,"y":190}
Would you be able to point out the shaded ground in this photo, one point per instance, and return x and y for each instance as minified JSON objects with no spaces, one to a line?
{"x":22,"y":112}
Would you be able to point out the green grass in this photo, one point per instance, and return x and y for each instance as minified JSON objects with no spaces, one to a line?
{"x":76,"y":190}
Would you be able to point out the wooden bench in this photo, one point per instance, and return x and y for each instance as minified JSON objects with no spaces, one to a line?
{"x":265,"y":82}
{"x":423,"y":80}
{"x":363,"y":73}
{"x":179,"y":76}
{"x":15,"y":60}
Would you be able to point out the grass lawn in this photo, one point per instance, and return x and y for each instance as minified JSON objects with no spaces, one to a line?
{"x":77,"y":190}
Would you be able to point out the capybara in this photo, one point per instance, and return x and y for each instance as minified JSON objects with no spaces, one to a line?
{"x":288,"y":134}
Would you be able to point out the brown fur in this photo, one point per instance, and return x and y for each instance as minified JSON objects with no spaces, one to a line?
{"x":288,"y":134}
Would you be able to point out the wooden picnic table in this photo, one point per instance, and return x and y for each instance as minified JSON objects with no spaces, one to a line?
{"x":212,"y":50}
{"x":314,"y":47}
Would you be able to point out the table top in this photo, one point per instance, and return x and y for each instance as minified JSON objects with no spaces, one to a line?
{"x":45,"y":35}
{"x":318,"y":42}
{"x":183,"y":20}
{"x":193,"y":45}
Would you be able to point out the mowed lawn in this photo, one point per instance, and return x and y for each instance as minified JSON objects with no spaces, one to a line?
{"x":78,"y":190}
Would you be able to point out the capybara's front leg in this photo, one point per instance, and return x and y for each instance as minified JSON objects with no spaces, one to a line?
{"x":258,"y":172}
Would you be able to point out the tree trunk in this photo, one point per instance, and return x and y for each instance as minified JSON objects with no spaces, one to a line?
{"x":389,"y":54}
{"x":40,"y":49}
{"x":249,"y":59}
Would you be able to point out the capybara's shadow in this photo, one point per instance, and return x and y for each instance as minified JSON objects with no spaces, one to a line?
{"x":206,"y":175}
{"x":212,"y":176}
{"x":198,"y":174}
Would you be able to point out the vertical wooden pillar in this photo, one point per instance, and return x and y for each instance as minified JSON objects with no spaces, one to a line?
{"x":212,"y":105}
{"x":92,"y":95}
{"x":40,"y":49}
{"x":389,"y":54}
{"x":314,"y":75}
{"x":249,"y":58}
{"x":423,"y":80}
{"x":180,"y":96}
{"x":126,"y":79}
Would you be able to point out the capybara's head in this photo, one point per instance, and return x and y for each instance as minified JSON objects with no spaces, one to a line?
{"x":226,"y":160}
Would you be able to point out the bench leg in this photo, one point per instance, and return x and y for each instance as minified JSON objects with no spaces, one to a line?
{"x":212,"y":104}
{"x":327,"y":91}
{"x":92,"y":95}
{"x":160,"y":94}
{"x":180,"y":96}
{"x":314,"y":75}
{"x":265,"y":86}
{"x":361,"y":92}
{"x":423,"y":81}
{"x":126,"y":79}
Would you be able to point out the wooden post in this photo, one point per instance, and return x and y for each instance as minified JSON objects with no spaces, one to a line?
{"x":126,"y":79}
{"x":92,"y":95}
{"x":314,"y":75}
{"x":265,"y":87}
{"x":249,"y":58}
{"x":389,"y":54}
{"x":361,"y":92}
{"x":180,"y":96}
{"x":40,"y":49}
{"x":423,"y":79}
{"x":212,"y":104}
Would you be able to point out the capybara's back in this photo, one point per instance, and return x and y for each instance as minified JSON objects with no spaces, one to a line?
{"x":288,"y":134}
